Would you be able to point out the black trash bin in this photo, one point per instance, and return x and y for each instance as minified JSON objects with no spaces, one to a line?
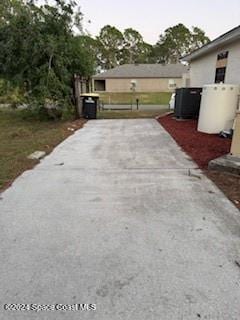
{"x":90,"y":103}
{"x":187,"y":103}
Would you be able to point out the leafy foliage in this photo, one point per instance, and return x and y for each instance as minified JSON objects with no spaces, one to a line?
{"x":176,"y":42}
{"x":135,"y":50}
{"x":113,"y":48}
{"x":110,"y":41}
{"x":39,"y":53}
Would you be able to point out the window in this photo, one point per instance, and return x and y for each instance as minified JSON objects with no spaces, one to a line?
{"x":223,"y":55}
{"x":220,"y":75}
{"x":221,"y":66}
{"x":100,"y":85}
{"x":172,"y":84}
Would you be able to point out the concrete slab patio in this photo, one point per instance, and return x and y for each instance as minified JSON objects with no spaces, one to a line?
{"x":120,"y":217}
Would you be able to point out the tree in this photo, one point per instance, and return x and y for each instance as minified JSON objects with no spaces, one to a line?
{"x":39,"y":52}
{"x":198,"y":39}
{"x":92,"y":47}
{"x":110,"y":42}
{"x":113,"y":48}
{"x":176,"y":42}
{"x":135,"y":50}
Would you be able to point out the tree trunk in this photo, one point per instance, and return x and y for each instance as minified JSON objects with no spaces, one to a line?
{"x":77,"y":95}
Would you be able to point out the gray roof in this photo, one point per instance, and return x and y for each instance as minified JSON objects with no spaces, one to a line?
{"x":144,"y":71}
{"x":225,"y":39}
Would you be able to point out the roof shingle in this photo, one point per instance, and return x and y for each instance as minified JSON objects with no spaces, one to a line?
{"x":144,"y":71}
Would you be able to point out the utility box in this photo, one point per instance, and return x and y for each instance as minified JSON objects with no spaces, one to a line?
{"x":90,"y":104}
{"x":187,"y":103}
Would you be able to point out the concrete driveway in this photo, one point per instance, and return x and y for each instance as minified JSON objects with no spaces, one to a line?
{"x":120,"y":217}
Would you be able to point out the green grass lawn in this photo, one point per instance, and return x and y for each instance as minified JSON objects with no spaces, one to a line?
{"x":156,"y":98}
{"x":19,"y":138}
{"x":128,"y":114}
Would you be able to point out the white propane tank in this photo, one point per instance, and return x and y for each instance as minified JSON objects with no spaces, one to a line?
{"x":218,"y":107}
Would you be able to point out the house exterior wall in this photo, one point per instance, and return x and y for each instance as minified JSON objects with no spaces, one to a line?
{"x":202,"y":70}
{"x":233,"y":66}
{"x":143,"y":85}
{"x":235,"y":149}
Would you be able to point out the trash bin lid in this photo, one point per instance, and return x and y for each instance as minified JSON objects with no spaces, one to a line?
{"x":93,"y":95}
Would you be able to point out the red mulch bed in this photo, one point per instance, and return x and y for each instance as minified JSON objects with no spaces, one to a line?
{"x":201,"y":147}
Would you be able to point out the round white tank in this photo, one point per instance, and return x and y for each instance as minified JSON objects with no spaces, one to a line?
{"x":218,"y":107}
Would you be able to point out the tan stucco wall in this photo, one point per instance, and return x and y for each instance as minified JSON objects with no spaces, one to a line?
{"x":202,"y":70}
{"x":143,"y":85}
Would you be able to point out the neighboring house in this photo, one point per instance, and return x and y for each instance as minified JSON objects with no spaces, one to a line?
{"x":217,"y":61}
{"x":141,"y":78}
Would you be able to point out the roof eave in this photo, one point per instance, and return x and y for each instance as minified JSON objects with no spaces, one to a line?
{"x":215,"y":44}
{"x":134,"y":77}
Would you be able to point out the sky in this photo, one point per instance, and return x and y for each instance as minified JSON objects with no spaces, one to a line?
{"x":152,"y":17}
